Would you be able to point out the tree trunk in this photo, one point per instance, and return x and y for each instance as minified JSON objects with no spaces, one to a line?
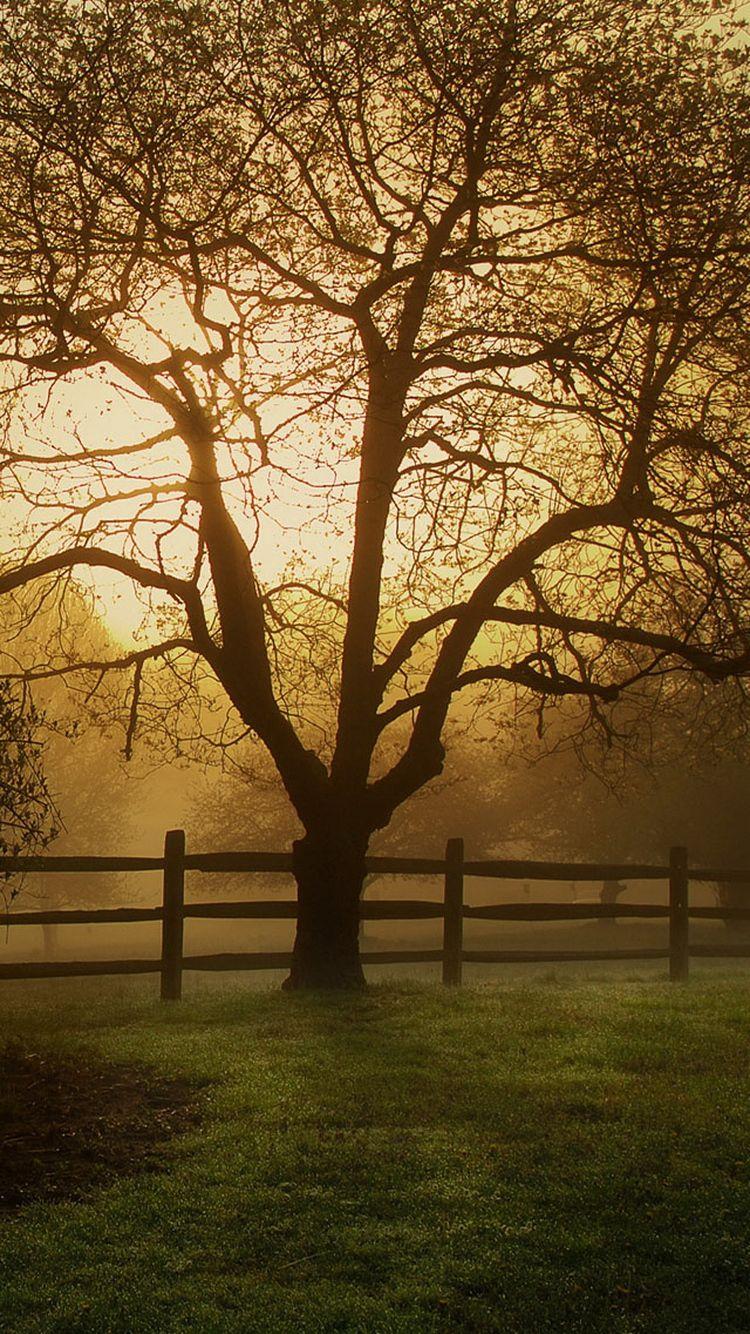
{"x":49,"y":938}
{"x":611,"y":891}
{"x":731,"y":894}
{"x":330,"y":873}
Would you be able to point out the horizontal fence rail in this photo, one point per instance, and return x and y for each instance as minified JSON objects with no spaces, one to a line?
{"x":413,"y":866}
{"x":453,"y":868}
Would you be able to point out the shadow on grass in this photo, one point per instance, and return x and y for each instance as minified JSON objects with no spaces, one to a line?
{"x":543,"y":1158}
{"x":72,"y":1122}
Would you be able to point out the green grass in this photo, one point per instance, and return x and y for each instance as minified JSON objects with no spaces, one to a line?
{"x":546,"y":1157}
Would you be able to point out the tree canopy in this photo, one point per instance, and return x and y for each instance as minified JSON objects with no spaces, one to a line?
{"x":448,"y":301}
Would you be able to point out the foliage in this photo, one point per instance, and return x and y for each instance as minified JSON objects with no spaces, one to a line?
{"x":28,"y":819}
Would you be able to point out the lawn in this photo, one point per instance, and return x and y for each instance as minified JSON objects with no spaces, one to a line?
{"x":555,"y":1156}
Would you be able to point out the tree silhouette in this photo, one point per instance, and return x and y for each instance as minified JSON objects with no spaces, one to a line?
{"x":27,"y":812}
{"x":449,"y":300}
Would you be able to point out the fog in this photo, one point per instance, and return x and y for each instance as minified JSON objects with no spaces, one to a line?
{"x":539,"y":802}
{"x":142,"y":940}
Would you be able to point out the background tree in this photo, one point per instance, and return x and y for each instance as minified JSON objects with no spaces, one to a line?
{"x":28,"y":820}
{"x":456,"y":296}
{"x":76,"y":733}
{"x":98,"y":808}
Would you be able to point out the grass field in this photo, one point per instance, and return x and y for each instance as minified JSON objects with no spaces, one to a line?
{"x":559,"y":1155}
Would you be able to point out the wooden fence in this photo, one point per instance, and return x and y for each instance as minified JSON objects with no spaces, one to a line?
{"x":453,"y":868}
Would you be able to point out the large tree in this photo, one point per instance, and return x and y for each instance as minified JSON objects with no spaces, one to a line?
{"x":451,"y":299}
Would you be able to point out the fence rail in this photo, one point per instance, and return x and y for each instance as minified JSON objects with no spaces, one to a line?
{"x":452,"y":867}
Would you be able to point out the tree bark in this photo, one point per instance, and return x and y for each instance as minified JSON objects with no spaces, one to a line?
{"x":330,"y":872}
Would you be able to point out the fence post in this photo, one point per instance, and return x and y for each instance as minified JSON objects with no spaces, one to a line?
{"x":453,"y":912}
{"x":679,"y":956}
{"x":173,"y":901}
